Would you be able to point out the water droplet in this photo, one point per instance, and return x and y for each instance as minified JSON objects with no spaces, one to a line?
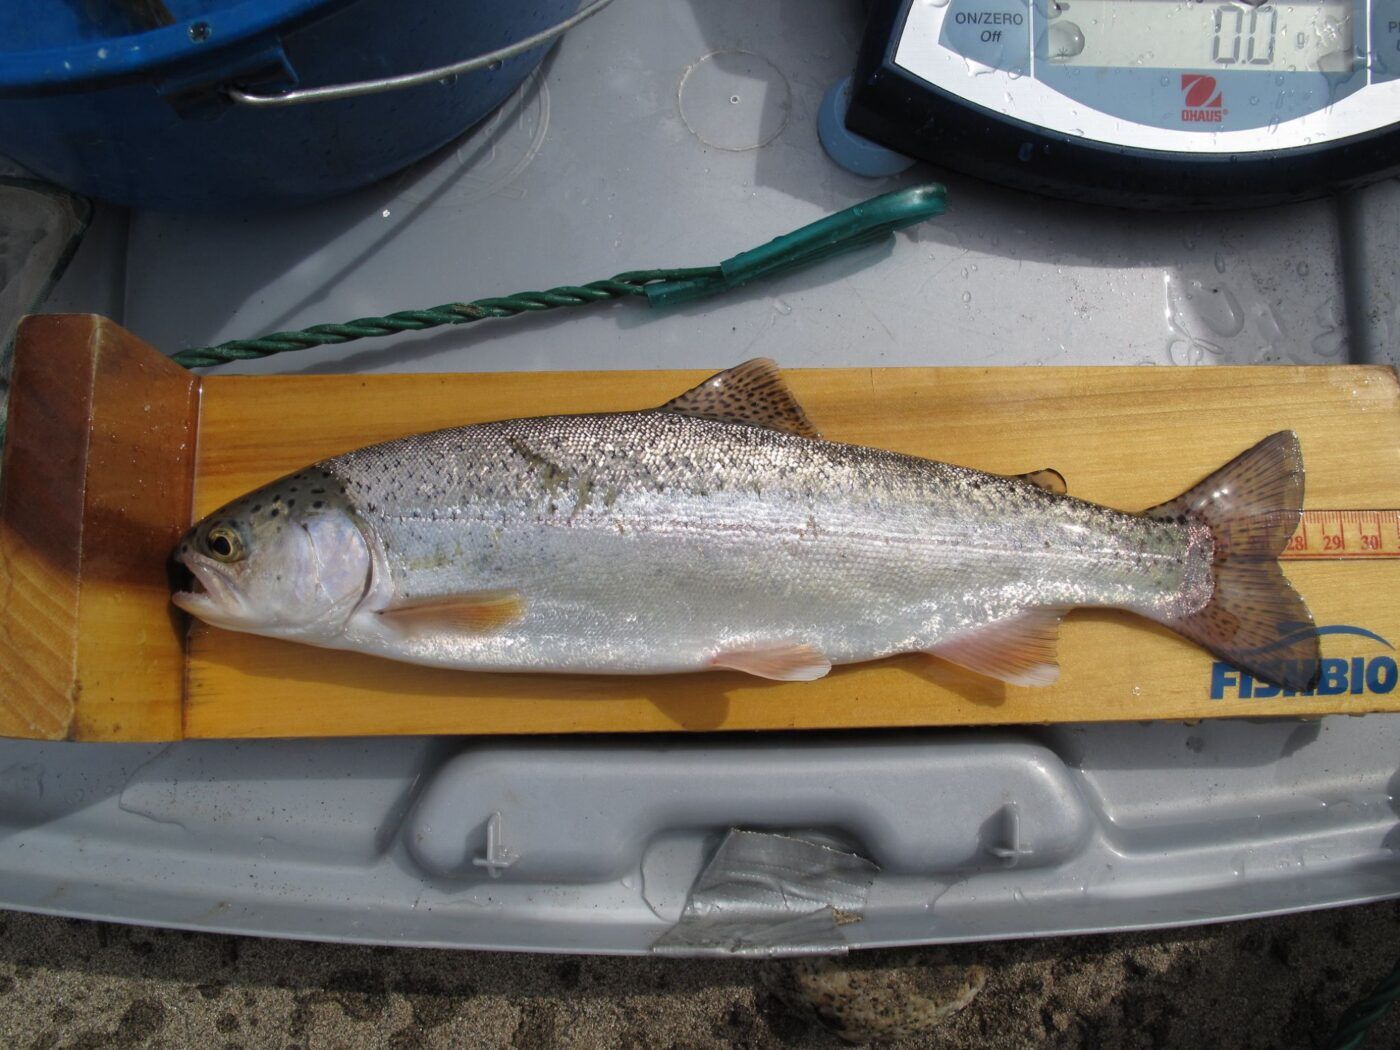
{"x":1192,"y":306}
{"x":1137,"y":690}
{"x":967,"y":297}
{"x":1328,"y":342}
{"x":384,"y":213}
{"x":733,"y":100}
{"x":1302,"y":268}
{"x":782,"y":307}
{"x":964,"y":273}
{"x":1270,"y":329}
{"x":1063,"y":40}
{"x":1219,"y":262}
{"x":1025,"y":152}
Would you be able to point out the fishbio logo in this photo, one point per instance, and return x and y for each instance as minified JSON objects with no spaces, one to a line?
{"x":1354,"y":676}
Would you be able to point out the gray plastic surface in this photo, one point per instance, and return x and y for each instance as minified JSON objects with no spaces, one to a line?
{"x":39,"y":227}
{"x":592,"y":170}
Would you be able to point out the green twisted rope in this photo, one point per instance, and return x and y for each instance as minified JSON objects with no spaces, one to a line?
{"x":1356,"y":1022}
{"x":860,"y":225}
{"x":621,"y":286}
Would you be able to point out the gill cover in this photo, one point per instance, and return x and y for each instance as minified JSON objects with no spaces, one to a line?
{"x":266,"y":565}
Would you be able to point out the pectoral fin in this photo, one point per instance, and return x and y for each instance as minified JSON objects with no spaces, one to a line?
{"x":1019,"y":651}
{"x":476,"y":612}
{"x":781,"y":663}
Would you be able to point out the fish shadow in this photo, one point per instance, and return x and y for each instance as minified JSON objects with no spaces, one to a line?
{"x":247,"y":685}
{"x":969,"y":685}
{"x":243,"y":685}
{"x":704,"y":704}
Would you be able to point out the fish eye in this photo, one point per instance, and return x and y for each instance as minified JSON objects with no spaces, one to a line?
{"x":224,"y":543}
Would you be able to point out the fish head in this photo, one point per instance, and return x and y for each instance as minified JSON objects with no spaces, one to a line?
{"x":289,"y":560}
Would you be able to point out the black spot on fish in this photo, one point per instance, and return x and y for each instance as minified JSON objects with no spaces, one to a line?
{"x":291,"y":502}
{"x":318,"y":504}
{"x":273,"y":512}
{"x":257,"y":507}
{"x":318,"y":492}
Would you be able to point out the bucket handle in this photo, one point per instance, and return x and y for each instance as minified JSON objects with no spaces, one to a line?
{"x":407,"y":80}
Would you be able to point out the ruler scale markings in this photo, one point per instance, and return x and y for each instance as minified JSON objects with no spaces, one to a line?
{"x":1345,"y":535}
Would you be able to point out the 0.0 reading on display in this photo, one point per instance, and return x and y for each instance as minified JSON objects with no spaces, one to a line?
{"x":1299,"y":37}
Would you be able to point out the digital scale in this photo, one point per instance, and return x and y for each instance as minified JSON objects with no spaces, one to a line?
{"x":1143,"y":103}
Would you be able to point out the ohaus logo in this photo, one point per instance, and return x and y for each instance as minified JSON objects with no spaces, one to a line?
{"x":1203,"y":101}
{"x":1375,"y":675}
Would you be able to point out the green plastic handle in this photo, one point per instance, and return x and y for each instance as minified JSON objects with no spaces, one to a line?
{"x":866,"y":223}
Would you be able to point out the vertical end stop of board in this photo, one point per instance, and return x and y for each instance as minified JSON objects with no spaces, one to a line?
{"x":94,"y":492}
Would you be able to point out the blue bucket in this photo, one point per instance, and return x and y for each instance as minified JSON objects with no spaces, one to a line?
{"x":135,"y":101}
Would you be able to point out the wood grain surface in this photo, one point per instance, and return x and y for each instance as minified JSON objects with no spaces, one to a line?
{"x":98,"y":467}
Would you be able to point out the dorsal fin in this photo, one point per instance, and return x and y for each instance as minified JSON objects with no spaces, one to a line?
{"x":753,"y":393}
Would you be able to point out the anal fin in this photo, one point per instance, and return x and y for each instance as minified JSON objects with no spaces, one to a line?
{"x":1018,"y":651}
{"x":476,"y":612}
{"x":780,"y":663}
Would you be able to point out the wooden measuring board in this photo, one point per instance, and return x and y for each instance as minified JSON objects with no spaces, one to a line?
{"x":113,"y":449}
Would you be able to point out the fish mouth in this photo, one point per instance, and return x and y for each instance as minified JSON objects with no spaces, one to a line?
{"x":210,"y":592}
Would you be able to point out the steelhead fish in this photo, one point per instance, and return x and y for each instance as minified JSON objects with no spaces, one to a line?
{"x":720,"y":531}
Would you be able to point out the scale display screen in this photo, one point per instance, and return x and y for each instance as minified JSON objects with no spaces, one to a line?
{"x":1139,"y":101}
{"x":1163,"y":34}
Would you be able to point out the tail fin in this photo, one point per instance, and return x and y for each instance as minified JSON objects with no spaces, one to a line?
{"x":1255,"y":619}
